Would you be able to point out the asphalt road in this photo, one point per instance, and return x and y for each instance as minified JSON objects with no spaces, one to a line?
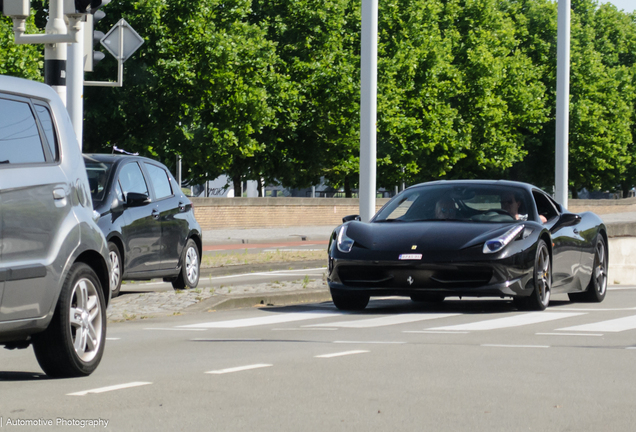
{"x":471,"y":365}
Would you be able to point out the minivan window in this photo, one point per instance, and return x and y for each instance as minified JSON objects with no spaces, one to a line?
{"x":20,"y":141}
{"x":160,"y":181}
{"x":47,"y":124}
{"x":132,"y":180}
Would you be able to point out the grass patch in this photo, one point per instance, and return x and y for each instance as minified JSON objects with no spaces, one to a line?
{"x":238,"y":258}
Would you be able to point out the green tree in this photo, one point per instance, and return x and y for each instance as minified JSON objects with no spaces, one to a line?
{"x":23,"y":61}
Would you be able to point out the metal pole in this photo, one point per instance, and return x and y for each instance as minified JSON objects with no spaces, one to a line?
{"x":55,"y":54}
{"x":563,"y":104}
{"x":179,"y":170}
{"x":75,"y":85}
{"x":368,"y":107}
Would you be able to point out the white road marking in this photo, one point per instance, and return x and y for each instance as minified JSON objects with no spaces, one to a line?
{"x":383,"y":321}
{"x":630,"y":348}
{"x":368,"y":342}
{"x":263,"y":320}
{"x":597,"y":309}
{"x":239,"y":369}
{"x":569,"y":334}
{"x":435,"y":332}
{"x":112,"y":338}
{"x":612,"y":326}
{"x":110,"y":388}
{"x":515,"y":346}
{"x":176,"y":329}
{"x":339,"y":354}
{"x":304,"y":328}
{"x":511,"y":321}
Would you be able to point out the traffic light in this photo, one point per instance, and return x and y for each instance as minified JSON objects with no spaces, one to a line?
{"x":92,"y":37}
{"x":89,"y":6}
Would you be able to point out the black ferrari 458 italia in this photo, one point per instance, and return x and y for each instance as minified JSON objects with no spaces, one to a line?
{"x":469,"y":238}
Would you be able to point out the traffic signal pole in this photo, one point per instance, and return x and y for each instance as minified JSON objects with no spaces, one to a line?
{"x":563,"y":104}
{"x":75,"y":85}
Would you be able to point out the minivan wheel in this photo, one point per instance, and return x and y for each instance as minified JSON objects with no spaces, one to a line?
{"x":117,"y":269}
{"x":190,"y":264}
{"x":73,"y":343}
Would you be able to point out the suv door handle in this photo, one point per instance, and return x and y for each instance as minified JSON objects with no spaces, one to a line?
{"x":155,"y":213}
{"x":59,"y":193}
{"x":182,"y":206}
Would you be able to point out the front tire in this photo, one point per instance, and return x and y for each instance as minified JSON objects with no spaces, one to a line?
{"x":190,"y":265}
{"x":349,"y":301}
{"x":597,"y":287}
{"x":73,"y":343}
{"x":540,"y":297}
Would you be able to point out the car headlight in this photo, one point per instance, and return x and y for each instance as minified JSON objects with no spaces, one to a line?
{"x":497,"y":244}
{"x":344,"y":243}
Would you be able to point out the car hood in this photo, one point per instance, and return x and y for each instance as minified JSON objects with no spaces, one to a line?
{"x":428,"y":236}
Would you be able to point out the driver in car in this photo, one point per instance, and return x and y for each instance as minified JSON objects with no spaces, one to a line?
{"x":511,"y":203}
{"x":445,"y":209}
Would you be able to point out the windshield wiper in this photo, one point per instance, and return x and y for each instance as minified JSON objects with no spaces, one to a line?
{"x":391,"y":220}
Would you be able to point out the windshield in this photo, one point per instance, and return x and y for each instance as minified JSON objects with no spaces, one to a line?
{"x":98,"y":173}
{"x":458,"y":202}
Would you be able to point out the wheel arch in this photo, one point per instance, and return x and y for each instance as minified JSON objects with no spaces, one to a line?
{"x":117,"y":241}
{"x":95,"y":261}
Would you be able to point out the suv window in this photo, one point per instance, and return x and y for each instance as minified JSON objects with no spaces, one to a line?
{"x":44,"y":115}
{"x":160,"y":181}
{"x":132,"y":180}
{"x":20,"y":141}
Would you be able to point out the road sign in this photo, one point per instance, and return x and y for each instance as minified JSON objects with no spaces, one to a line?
{"x":122,"y":38}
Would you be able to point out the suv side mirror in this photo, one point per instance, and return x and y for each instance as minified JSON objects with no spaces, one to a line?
{"x":351,"y":218}
{"x":134,"y":199}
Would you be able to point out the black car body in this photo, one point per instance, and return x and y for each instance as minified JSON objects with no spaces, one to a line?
{"x":148,"y":222}
{"x":410,"y":249}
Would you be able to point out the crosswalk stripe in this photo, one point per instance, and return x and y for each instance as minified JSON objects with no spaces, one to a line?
{"x":384,"y":320}
{"x":612,"y":326}
{"x":512,"y":321}
{"x":263,"y":320}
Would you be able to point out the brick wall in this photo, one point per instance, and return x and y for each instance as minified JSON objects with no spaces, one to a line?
{"x":230,"y":213}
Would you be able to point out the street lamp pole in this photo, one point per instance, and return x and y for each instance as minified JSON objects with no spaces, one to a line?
{"x":368,"y":107}
{"x":563,"y":103}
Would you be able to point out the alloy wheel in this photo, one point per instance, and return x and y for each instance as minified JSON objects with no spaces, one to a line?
{"x":86,"y":320}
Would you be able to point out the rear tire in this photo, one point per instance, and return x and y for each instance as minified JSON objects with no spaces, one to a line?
{"x":540,"y":297}
{"x":190,"y":265}
{"x":117,"y":269}
{"x":597,"y":287}
{"x":349,"y":301}
{"x":73,"y":343}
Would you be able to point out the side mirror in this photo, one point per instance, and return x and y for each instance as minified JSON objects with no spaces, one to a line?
{"x":567,"y":219}
{"x":134,"y":199}
{"x":351,"y":218}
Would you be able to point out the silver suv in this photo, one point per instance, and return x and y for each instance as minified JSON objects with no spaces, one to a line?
{"x":54,"y":266}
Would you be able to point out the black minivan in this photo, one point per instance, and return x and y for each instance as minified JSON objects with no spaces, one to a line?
{"x":147,"y":220}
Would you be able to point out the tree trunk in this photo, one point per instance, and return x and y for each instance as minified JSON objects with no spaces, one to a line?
{"x":237,"y":186}
{"x":347,"y":187}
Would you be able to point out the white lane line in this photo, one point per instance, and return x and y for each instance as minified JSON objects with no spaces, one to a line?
{"x":305,"y":329}
{"x":597,"y":309}
{"x":383,"y":321}
{"x":435,"y":332}
{"x":239,"y":369}
{"x":511,"y":321}
{"x":569,"y":334}
{"x":110,"y":388}
{"x":112,"y":338}
{"x":612,"y":326}
{"x":620,"y":288}
{"x":176,"y":329}
{"x":264,"y":320}
{"x":340,"y":354}
{"x":368,"y":342}
{"x":634,"y":348}
{"x":515,"y":346}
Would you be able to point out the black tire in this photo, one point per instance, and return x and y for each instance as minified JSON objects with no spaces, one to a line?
{"x":542,"y":280}
{"x":597,"y":288}
{"x":349,"y":301}
{"x":428,"y":298}
{"x":190,"y":265}
{"x":117,"y":269}
{"x":73,"y":343}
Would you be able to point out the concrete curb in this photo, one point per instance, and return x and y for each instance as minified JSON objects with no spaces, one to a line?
{"x":257,"y":268}
{"x":264,"y":299}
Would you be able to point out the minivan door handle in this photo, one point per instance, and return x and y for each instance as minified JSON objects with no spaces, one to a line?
{"x":155,"y":213}
{"x":182,"y":206}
